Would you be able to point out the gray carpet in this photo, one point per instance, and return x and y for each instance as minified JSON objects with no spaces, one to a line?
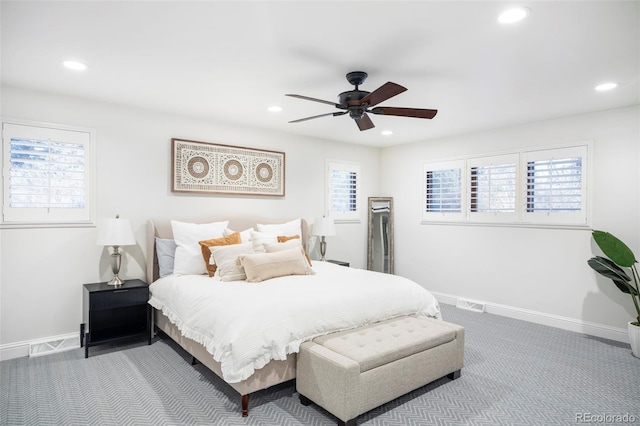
{"x":516,"y":373}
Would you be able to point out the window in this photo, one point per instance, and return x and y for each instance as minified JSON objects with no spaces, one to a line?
{"x":443,"y":191}
{"x":556,"y":188}
{"x":492,"y":188}
{"x":342,"y":194}
{"x":547,"y":186}
{"x":47,"y":175}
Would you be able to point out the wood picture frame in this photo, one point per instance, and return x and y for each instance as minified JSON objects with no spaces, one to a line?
{"x":208,"y":168}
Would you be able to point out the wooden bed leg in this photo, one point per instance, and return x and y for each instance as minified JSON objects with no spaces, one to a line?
{"x":245,"y":405}
{"x":194,"y":361}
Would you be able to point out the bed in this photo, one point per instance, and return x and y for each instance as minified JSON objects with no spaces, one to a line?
{"x":248,"y":333}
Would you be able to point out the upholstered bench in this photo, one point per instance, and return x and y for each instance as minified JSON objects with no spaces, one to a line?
{"x":351,"y":372}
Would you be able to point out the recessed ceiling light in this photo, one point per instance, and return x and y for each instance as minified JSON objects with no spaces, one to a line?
{"x":606,"y":86}
{"x":387,"y":132}
{"x":512,"y":15}
{"x":274,"y":108}
{"x":75,"y":65}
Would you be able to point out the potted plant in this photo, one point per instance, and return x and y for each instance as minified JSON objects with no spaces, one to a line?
{"x":619,"y":257}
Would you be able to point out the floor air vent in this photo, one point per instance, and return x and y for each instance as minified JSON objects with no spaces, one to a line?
{"x":470,"y":305}
{"x":53,"y":346}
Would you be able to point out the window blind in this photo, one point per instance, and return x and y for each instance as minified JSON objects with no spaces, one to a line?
{"x":554,"y":185}
{"x":443,"y":191}
{"x":46,"y":174}
{"x":344,"y":191}
{"x":492,"y":188}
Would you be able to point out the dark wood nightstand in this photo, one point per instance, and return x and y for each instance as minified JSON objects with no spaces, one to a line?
{"x":112,"y":313}
{"x":339,"y":262}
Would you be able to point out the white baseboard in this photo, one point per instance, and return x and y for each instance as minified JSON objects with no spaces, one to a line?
{"x":21,"y":349}
{"x":565,"y":323}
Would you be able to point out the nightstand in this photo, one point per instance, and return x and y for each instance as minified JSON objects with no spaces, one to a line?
{"x":112,"y":313}
{"x":339,"y":262}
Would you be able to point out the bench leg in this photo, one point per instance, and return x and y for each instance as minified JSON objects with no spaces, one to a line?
{"x":304,"y":400}
{"x":454,"y":375}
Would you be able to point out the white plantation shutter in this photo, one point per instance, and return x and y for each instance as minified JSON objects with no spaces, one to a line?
{"x":493,"y":188}
{"x":546,"y":187}
{"x":343,"y":181}
{"x":442,"y":191}
{"x":556,"y":186}
{"x":47,"y":175}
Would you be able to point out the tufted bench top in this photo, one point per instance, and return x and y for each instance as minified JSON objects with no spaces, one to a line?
{"x":384,"y":342}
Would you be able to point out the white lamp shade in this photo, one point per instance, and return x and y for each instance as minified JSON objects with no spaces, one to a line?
{"x":324,"y":226}
{"x":116,"y":232}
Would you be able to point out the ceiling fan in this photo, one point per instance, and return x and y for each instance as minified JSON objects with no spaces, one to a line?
{"x":357,"y":103}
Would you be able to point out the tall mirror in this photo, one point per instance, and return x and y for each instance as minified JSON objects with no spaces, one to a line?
{"x":380,"y":245}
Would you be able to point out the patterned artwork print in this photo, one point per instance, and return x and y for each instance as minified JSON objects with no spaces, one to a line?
{"x":205,"y":167}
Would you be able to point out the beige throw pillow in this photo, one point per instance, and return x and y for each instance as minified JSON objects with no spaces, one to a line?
{"x":263,"y":266}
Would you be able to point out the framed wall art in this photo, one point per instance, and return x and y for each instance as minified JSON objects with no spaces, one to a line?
{"x":201,"y":167}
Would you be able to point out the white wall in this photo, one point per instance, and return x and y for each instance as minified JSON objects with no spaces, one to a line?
{"x":42,"y":270}
{"x":539,"y":273}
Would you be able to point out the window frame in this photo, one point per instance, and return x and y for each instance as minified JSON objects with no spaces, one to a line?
{"x":519,"y":218}
{"x":13,"y":217}
{"x":342,"y":166}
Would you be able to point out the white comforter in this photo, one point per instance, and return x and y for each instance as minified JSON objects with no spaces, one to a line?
{"x":246,"y":325}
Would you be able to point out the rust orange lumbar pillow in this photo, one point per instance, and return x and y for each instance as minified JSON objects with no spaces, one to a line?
{"x":222,"y":241}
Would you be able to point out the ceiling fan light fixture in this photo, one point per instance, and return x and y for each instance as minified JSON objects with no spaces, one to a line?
{"x":513,"y":15}
{"x":606,"y":86}
{"x":386,"y":133}
{"x":274,"y":108}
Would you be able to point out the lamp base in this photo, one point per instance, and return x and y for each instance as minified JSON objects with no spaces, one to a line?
{"x":323,"y":248}
{"x":116,"y":260}
{"x":116,"y":281}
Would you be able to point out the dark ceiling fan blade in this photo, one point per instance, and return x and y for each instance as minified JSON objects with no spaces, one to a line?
{"x":307,"y":98}
{"x":335,"y":114}
{"x":365,"y":122}
{"x":382,"y":93}
{"x":405,"y":112}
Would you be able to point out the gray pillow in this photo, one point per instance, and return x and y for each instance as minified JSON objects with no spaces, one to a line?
{"x":166,"y":252}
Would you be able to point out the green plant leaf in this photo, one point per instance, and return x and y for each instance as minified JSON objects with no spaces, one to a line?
{"x":614,"y":249}
{"x":608,"y":269}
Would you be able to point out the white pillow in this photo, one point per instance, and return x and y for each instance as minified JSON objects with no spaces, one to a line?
{"x":226,"y":258}
{"x":289,"y":228}
{"x":263,"y":266}
{"x":245,"y":235}
{"x":258,"y":239}
{"x":188,"y":258}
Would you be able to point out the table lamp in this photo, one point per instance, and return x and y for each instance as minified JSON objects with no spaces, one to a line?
{"x":115,"y":233}
{"x":323,"y":227}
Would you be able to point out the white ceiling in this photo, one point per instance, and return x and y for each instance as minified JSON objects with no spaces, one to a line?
{"x":229,"y":61}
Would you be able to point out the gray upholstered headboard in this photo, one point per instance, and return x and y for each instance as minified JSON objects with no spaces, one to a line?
{"x":162,"y":229}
